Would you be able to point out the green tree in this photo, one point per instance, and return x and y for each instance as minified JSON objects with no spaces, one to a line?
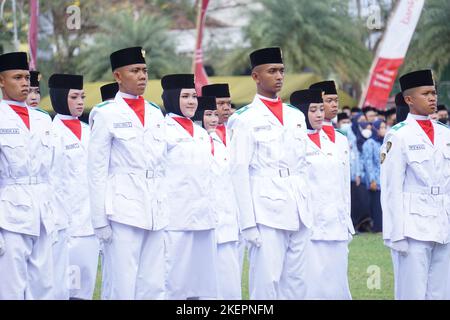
{"x":316,"y":35}
{"x":125,"y":29}
{"x":431,"y":43}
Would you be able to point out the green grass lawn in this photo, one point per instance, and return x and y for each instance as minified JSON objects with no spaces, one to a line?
{"x":370,"y":270}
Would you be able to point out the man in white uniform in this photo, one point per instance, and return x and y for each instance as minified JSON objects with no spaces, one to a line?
{"x":267,"y":159}
{"x":26,"y":220}
{"x":126,"y":164}
{"x":416,"y":180}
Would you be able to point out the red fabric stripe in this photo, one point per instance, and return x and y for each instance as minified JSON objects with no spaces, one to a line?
{"x":427,"y":126}
{"x":315,"y":137}
{"x":138,"y":106}
{"x":75,"y":126}
{"x":186,"y":124}
{"x":276,"y":108}
{"x":329,"y":130}
{"x":22,"y":112}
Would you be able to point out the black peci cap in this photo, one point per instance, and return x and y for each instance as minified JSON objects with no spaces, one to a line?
{"x":126,"y":57}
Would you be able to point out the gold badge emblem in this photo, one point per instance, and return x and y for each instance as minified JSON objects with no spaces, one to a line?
{"x":143,"y":53}
{"x":39,"y":77}
{"x":382,"y":157}
{"x":388,"y":146}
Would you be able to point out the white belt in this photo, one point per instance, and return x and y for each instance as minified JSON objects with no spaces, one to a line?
{"x":28,"y":180}
{"x":147,"y":174}
{"x":434,"y":190}
{"x":269,"y":172}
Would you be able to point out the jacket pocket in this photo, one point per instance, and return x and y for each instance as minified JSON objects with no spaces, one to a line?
{"x":125,"y":134}
{"x":422,"y":205}
{"x":13,"y":142}
{"x":125,"y":187}
{"x":18,"y":199}
{"x":417,"y":156}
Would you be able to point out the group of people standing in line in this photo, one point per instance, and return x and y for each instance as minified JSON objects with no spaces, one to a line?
{"x":172,"y":199}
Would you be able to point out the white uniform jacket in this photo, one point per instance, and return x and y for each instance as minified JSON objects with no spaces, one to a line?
{"x":188,"y":179}
{"x":68,"y":178}
{"x":126,"y":165}
{"x":25,"y":159}
{"x":328,"y":189}
{"x":226,"y":205}
{"x":268,"y":166}
{"x":416,"y":174}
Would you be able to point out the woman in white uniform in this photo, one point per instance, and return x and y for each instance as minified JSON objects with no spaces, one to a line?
{"x":327,"y":254}
{"x":225,"y":206}
{"x":76,"y":250}
{"x":191,"y":240}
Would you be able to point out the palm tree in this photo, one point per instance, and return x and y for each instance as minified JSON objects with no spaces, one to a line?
{"x":316,"y":35}
{"x":124,"y":29}
{"x":431,"y":43}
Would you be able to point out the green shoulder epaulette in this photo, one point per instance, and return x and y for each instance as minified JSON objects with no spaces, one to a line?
{"x":340,"y":131}
{"x":102,"y":104}
{"x":444,"y":125}
{"x":293,"y":107}
{"x":399,"y":125}
{"x":41,"y":110}
{"x":153,"y":105}
{"x":241,"y":110}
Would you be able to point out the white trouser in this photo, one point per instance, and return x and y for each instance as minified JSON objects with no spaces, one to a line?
{"x":83,"y":263}
{"x":191,"y":264}
{"x":277,"y":268}
{"x":228,"y":271}
{"x":133,"y":264}
{"x":61,"y":266}
{"x":26,"y":268}
{"x":422,"y":273}
{"x":327,"y":267}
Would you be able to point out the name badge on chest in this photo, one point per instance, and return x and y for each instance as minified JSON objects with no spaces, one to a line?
{"x":415,"y":147}
{"x":314,"y":153}
{"x":262,"y":128}
{"x":9,"y":131}
{"x":121,"y":125}
{"x":72,"y":146}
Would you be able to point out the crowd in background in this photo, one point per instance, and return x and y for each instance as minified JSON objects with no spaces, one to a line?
{"x":365,"y":130}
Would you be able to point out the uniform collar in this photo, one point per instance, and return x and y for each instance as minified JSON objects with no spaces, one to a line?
{"x":267,"y":99}
{"x":419,"y":117}
{"x":65,"y":117}
{"x":311,"y":131}
{"x":327,"y":123}
{"x":15,"y":103}
{"x":127,"y":96}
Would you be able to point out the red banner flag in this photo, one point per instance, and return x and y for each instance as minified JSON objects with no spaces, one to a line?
{"x":391,"y":53}
{"x":201,"y":78}
{"x":33,"y":32}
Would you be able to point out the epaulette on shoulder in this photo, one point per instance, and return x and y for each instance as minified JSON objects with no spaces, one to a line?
{"x":242,"y":110}
{"x":42,"y":110}
{"x":399,"y":125}
{"x":442,"y":124}
{"x":291,"y":106}
{"x":154,"y":105}
{"x":102,"y":104}
{"x":340,"y":131}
